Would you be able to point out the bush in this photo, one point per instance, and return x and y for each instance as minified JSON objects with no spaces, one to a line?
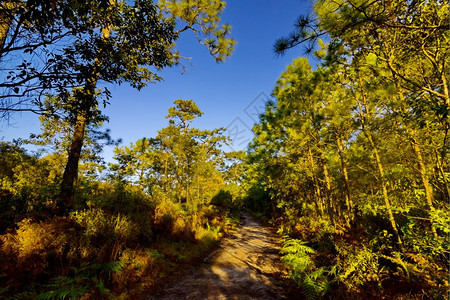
{"x":136,"y":265}
{"x":35,"y":248}
{"x":103,"y":235}
{"x":358,"y":269}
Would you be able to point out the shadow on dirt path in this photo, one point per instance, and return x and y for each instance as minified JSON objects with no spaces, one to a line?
{"x":246,"y":266}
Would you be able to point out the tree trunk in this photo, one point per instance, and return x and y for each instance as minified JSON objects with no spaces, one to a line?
{"x":86,"y":103}
{"x":420,"y":162}
{"x":179,"y":183}
{"x":446,"y":92}
{"x":423,"y":174}
{"x":166,"y":179}
{"x":364,"y":113}
{"x":418,"y":152}
{"x":330,"y":209}
{"x":387,"y":202}
{"x":348,"y":198}
{"x":443,"y":169}
{"x":71,"y":171}
{"x":425,"y":179}
{"x":319,"y":201}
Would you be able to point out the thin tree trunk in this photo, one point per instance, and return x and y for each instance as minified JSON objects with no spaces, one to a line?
{"x":180,"y":184}
{"x":198,"y":190}
{"x":387,"y":202}
{"x":330,"y":208}
{"x":319,"y":201}
{"x":419,"y":158}
{"x":442,"y":172}
{"x":380,"y":168}
{"x":425,"y":180}
{"x":446,"y":92}
{"x":166,"y":180}
{"x":141,"y":179}
{"x":423,"y":174}
{"x":348,"y":198}
{"x":418,"y":152}
{"x":187,"y":191}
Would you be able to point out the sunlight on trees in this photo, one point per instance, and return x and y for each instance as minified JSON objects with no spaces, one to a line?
{"x":353,"y":156}
{"x":164,"y":196}
{"x":350,"y":159}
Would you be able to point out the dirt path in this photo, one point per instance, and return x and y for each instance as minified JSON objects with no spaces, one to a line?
{"x":246,"y":266}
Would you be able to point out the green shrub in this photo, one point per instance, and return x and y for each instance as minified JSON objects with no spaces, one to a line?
{"x":103,"y":235}
{"x":358,"y":268}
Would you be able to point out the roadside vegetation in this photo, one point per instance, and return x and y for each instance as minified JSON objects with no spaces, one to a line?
{"x":166,"y":202}
{"x":351,"y":159}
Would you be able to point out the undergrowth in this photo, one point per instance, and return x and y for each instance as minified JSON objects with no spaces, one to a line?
{"x":108,"y":248}
{"x":356,"y":264}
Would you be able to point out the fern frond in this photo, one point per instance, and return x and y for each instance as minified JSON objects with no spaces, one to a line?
{"x":297,"y":257}
{"x":296,"y":246}
{"x":309,"y":288}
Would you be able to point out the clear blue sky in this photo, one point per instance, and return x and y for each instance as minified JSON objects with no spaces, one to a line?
{"x":225,"y":92}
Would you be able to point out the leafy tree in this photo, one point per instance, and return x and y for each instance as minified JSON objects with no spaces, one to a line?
{"x":136,"y":159}
{"x":28,"y":184}
{"x":181,"y":162}
{"x":55,"y":139}
{"x":344,"y":157}
{"x":192,"y":148}
{"x":407,"y":41}
{"x":114,"y":42}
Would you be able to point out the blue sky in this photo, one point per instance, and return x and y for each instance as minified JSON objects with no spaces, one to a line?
{"x":230,"y":94}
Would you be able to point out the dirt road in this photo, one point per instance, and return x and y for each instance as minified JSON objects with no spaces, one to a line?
{"x":246,"y":266}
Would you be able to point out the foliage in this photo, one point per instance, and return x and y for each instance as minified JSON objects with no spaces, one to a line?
{"x":352,"y":155}
{"x":109,"y":42}
{"x":123,"y":234}
{"x":28,"y":184}
{"x":202,"y":17}
{"x":358,"y":269}
{"x":118,"y":39}
{"x":297,"y":257}
{"x":180,"y":164}
{"x":159,"y":192}
{"x":85,"y":281}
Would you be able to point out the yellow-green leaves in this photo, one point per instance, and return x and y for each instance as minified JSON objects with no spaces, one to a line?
{"x":323,"y":49}
{"x":371,"y":59}
{"x":202,"y":17}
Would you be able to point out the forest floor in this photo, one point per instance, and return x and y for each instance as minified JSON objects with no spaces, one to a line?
{"x":245,"y":266}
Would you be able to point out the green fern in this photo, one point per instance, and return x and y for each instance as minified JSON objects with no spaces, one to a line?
{"x":309,"y":288}
{"x":4,"y":290}
{"x":296,"y":256}
{"x":155,"y":254}
{"x":62,"y":287}
{"x":85,"y":278}
{"x":22,"y":295}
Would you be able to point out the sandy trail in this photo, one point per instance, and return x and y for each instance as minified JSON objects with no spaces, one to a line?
{"x":246,"y":266}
